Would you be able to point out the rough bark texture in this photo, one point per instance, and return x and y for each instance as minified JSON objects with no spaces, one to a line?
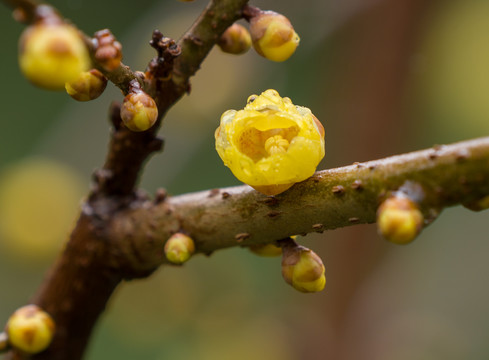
{"x":80,"y":283}
{"x":77,"y":288}
{"x":239,"y":216}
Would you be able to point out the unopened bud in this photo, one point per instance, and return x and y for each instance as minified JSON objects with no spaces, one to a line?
{"x":108,"y":51}
{"x":30,"y":329}
{"x":52,"y":54}
{"x":268,"y":250}
{"x":273,"y":36}
{"x":399,"y":220}
{"x":303,"y":269}
{"x":88,"y":86}
{"x":139,"y":111}
{"x":179,"y":248}
{"x":235,"y":40}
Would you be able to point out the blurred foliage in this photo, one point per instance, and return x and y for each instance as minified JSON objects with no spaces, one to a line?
{"x":451,"y":72}
{"x":423,"y":301}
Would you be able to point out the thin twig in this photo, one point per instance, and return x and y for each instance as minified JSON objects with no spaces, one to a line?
{"x":129,"y":151}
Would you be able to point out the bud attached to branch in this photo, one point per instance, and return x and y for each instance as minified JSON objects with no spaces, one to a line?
{"x":89,"y":85}
{"x":235,"y":40}
{"x":179,"y":248}
{"x":138,"y":111}
{"x":271,"y":144}
{"x":30,"y":329}
{"x":108,"y":51}
{"x":399,"y":219}
{"x":273,"y":35}
{"x":267,"y":250}
{"x":302,"y":268}
{"x":52,"y":54}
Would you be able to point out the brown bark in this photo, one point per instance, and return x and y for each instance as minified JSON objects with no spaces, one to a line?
{"x":80,"y":283}
{"x":120,"y":234}
{"x":240,"y":216}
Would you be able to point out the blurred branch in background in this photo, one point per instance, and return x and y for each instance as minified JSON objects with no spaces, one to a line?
{"x":365,"y":96}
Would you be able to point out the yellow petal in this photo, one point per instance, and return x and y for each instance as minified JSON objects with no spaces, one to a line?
{"x":271,"y":142}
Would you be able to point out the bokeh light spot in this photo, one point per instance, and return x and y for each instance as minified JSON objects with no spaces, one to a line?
{"x":39,"y":199}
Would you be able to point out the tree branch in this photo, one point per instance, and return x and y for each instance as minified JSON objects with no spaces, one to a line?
{"x":120,"y":235}
{"x":80,"y":283}
{"x":239,"y":216}
{"x":120,"y":175}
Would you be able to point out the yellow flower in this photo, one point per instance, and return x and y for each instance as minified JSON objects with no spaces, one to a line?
{"x":271,"y":144}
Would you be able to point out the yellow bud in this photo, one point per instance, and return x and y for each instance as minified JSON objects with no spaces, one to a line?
{"x":178,"y":248}
{"x":399,"y":219}
{"x":235,"y":40}
{"x":51,"y":55}
{"x":139,"y":111}
{"x":271,"y":144}
{"x":267,"y":250}
{"x":30,"y":329}
{"x":303,"y":269}
{"x":89,"y":85}
{"x":273,"y":36}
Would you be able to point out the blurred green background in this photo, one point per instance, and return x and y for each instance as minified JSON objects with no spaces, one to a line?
{"x":384,"y":77}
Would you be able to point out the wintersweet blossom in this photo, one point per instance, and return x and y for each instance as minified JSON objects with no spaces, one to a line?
{"x":271,"y":144}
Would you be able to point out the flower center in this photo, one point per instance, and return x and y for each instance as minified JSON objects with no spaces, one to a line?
{"x":261,"y":144}
{"x":276,"y":145}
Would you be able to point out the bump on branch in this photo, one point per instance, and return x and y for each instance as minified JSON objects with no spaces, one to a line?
{"x":442,"y":176}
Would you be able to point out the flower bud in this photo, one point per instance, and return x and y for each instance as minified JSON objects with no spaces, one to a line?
{"x":108,"y":51}
{"x":139,"y":111}
{"x":178,"y":248}
{"x":52,"y":54}
{"x":271,"y":144}
{"x":399,"y":219}
{"x":267,"y":250}
{"x":30,"y":329}
{"x":235,"y":40}
{"x":303,"y":269}
{"x":273,"y":36}
{"x":89,"y":85}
